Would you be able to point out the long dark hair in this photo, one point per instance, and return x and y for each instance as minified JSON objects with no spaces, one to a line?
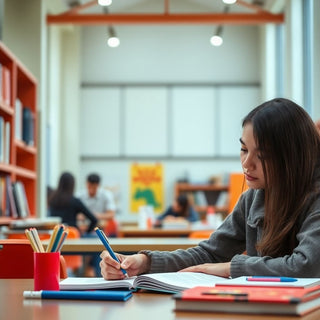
{"x":289,"y":145}
{"x":184,"y":204}
{"x":64,"y":192}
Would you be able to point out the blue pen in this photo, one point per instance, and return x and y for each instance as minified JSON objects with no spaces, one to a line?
{"x":271,"y":279}
{"x":79,"y":295}
{"x":105,"y":242}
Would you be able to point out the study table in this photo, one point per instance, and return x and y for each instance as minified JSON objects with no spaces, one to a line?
{"x":142,"y":306}
{"x":132,"y":245}
{"x":156,"y":232}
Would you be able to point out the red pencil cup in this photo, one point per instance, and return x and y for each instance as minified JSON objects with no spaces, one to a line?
{"x":46,"y":270}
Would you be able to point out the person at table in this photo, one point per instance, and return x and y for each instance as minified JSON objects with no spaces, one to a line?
{"x":276,"y":222}
{"x":101,"y":203}
{"x":181,"y":209}
{"x":62,"y":203}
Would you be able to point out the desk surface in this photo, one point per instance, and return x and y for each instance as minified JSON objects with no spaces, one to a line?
{"x":84,"y":245}
{"x":142,"y":306}
{"x":155,"y":232}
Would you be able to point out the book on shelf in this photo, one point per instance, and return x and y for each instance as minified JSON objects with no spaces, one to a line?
{"x":171,"y":282}
{"x":200,"y":199}
{"x":27,"y":126}
{"x":4,"y":140}
{"x":254,"y":300}
{"x":5,"y":85}
{"x":3,"y":198}
{"x":222,"y":199}
{"x":7,"y":139}
{"x":11,"y":204}
{"x":2,"y":133}
{"x":18,"y":120}
{"x":21,"y":200}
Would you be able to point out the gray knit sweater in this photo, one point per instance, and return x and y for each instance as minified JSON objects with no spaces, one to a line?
{"x":239,"y":233}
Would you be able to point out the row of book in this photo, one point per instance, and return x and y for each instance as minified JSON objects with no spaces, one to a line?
{"x":204,"y":199}
{"x":4,"y":140}
{"x":5,"y":84}
{"x":13,"y":200}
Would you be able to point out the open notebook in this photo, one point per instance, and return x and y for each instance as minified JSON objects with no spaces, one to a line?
{"x":174,"y":282}
{"x":171,"y":282}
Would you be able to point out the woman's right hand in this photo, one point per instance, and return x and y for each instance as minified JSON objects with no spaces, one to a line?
{"x":134,"y":264}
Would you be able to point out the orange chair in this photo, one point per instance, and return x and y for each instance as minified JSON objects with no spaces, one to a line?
{"x":111,"y":228}
{"x":16,"y":260}
{"x":237,"y":186}
{"x":74,"y":263}
{"x":200,"y":234}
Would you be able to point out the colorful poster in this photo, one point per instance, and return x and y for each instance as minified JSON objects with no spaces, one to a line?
{"x":146,"y":187}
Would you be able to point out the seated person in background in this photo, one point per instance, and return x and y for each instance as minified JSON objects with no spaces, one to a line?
{"x":180,"y":209}
{"x":62,"y":203}
{"x":101,"y":203}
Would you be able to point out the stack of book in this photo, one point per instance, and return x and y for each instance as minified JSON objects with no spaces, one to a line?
{"x":271,"y":295}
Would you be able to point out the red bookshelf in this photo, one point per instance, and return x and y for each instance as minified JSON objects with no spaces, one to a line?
{"x":18,"y":151}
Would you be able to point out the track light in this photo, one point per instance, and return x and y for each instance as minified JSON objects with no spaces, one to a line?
{"x":104,"y":2}
{"x":216,"y":40}
{"x":113,"y":40}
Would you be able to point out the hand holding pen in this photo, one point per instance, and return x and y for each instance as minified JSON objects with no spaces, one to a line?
{"x":105,"y":242}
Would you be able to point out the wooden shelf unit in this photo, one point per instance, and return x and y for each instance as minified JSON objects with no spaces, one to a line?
{"x":211,"y":193}
{"x":22,"y":162}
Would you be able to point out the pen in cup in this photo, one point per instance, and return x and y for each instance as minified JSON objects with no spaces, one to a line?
{"x":105,"y":242}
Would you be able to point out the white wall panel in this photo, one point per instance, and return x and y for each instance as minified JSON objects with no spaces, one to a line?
{"x":193,"y":114}
{"x":234,"y":104}
{"x":145,"y":121}
{"x":100,"y":122}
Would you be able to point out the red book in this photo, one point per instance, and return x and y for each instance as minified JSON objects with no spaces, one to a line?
{"x":6,"y":85}
{"x":257,"y":300}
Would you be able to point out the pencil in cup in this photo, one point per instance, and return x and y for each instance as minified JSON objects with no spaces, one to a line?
{"x":57,"y":238}
{"x":33,"y":237}
{"x":105,"y":242}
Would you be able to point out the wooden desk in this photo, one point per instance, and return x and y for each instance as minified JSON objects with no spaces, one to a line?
{"x":154,"y":232}
{"x":89,"y":245}
{"x":142,"y":306}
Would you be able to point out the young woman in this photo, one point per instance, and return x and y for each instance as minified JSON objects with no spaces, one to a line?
{"x":62,"y":203}
{"x":180,"y":209}
{"x":274,"y":229}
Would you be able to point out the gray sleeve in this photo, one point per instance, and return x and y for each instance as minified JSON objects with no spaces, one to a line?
{"x":222,"y":245}
{"x":303,"y":262}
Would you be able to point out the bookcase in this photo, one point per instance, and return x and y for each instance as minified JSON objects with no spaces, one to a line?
{"x":18,"y":146}
{"x":204,"y":195}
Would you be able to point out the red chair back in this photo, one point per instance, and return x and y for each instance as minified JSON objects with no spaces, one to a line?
{"x":16,"y":260}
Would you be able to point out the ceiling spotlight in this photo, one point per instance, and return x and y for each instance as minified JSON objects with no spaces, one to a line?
{"x":113,"y":40}
{"x":229,"y":1}
{"x":216,"y":41}
{"x":104,"y":2}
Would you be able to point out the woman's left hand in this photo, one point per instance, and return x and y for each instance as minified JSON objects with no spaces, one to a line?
{"x":216,"y":269}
